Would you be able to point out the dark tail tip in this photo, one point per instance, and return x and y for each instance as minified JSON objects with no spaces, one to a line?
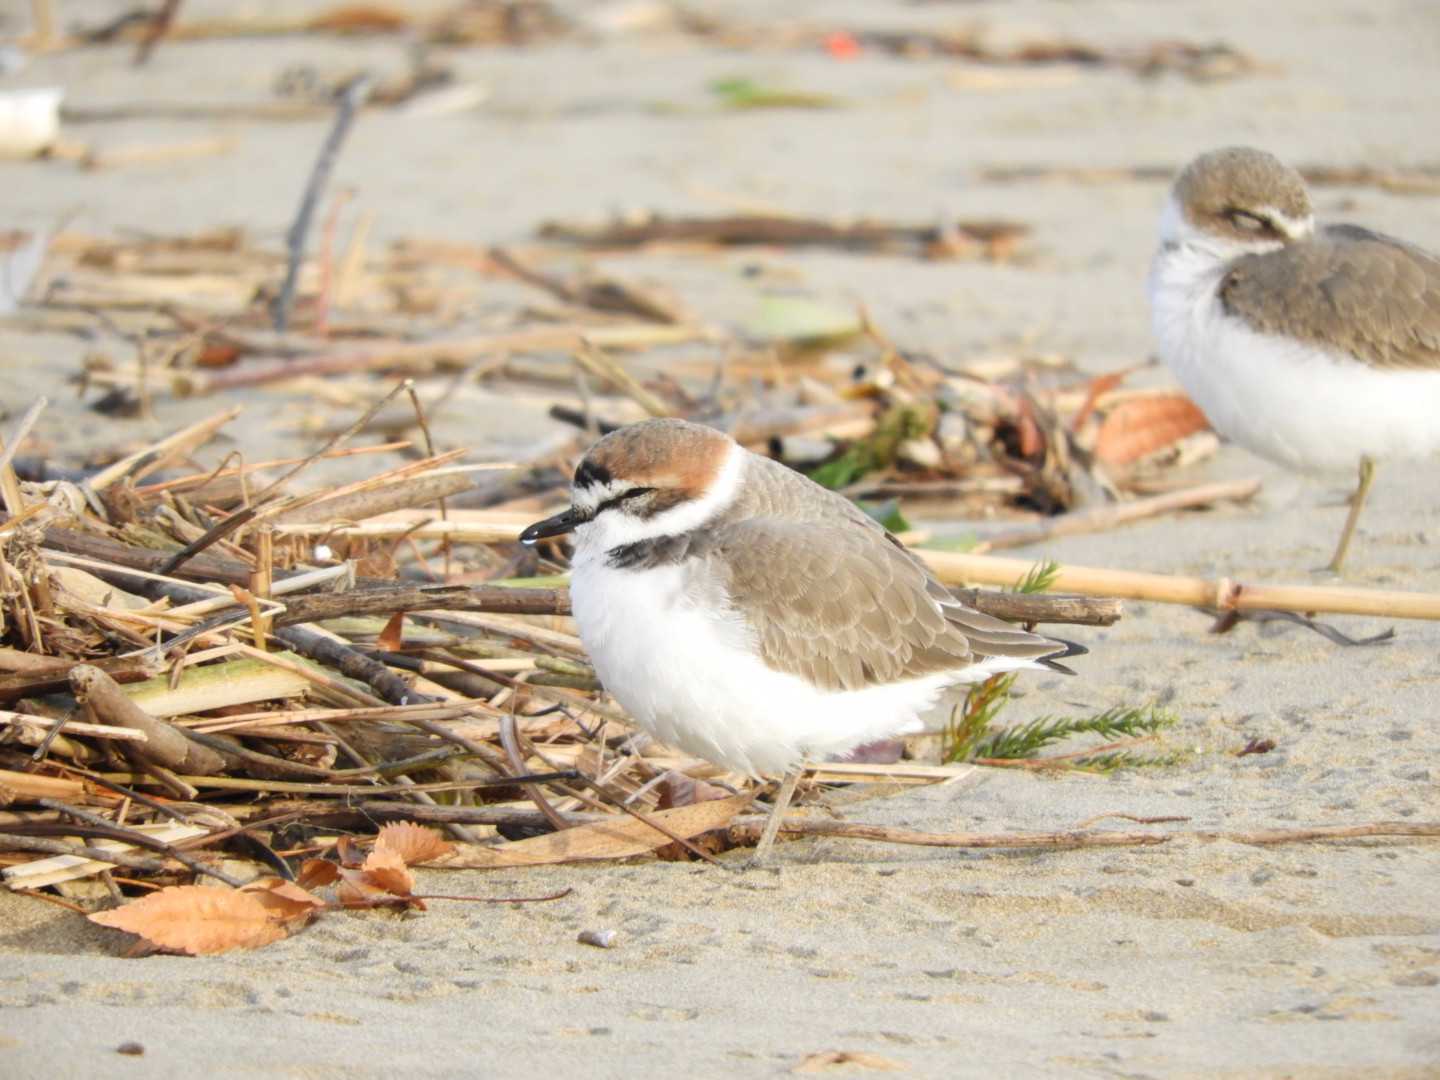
{"x":1072,"y":648}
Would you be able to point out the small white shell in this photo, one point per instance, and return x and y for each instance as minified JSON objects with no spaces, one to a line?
{"x":601,"y":939}
{"x":29,"y":120}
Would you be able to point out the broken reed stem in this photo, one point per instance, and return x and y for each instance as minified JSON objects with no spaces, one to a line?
{"x":589,"y":356}
{"x":350,"y":100}
{"x":153,"y":457}
{"x":1222,"y":594}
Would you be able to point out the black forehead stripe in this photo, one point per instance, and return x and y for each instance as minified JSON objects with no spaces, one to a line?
{"x":589,"y":474}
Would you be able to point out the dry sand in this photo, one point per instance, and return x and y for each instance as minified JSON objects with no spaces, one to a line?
{"x":1192,"y":959}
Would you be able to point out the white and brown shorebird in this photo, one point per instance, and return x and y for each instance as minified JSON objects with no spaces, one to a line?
{"x":745,"y":614}
{"x":1315,"y":347}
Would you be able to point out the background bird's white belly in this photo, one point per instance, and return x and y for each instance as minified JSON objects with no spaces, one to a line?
{"x":691,"y":676}
{"x":1288,"y":401}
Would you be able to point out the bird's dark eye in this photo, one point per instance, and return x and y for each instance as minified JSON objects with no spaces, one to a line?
{"x":616,"y":500}
{"x":1247,"y":222}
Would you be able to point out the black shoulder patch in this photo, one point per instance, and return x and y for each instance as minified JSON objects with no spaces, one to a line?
{"x":661,"y":551}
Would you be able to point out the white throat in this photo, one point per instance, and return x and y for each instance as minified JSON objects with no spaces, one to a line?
{"x":616,"y":527}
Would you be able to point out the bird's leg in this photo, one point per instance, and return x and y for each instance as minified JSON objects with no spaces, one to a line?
{"x":1357,"y":502}
{"x":777,"y":813}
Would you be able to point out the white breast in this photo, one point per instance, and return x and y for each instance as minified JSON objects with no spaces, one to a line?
{"x":689,"y":674}
{"x":1295,"y":404}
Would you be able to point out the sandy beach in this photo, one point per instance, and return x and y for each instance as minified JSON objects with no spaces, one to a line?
{"x":1196,"y":958}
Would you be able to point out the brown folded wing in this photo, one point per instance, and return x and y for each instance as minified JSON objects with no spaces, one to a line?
{"x":1350,"y":289}
{"x":846,"y":606}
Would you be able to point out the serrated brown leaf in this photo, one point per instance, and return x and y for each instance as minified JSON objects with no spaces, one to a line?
{"x":1138,"y":427}
{"x":197,"y":919}
{"x":317,"y":872}
{"x":392,"y":638}
{"x":286,"y":901}
{"x":413,"y":843}
{"x":385,"y":869}
{"x":387,"y":884}
{"x":355,"y":888}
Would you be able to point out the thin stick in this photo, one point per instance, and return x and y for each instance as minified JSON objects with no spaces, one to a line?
{"x":597,"y":363}
{"x":10,"y":842}
{"x":145,"y":461}
{"x":1327,"y":832}
{"x":653,"y":823}
{"x":57,"y":901}
{"x":1222,"y":594}
{"x":1102,"y":518}
{"x":9,"y":483}
{"x":351,"y":98}
{"x":139,"y":839}
{"x":429,"y":452}
{"x":749,"y":831}
{"x":160,"y":24}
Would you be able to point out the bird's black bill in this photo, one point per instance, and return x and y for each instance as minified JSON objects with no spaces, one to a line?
{"x":558,"y":525}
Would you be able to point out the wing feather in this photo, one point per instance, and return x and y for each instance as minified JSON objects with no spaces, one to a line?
{"x":841,"y":606}
{"x":1369,"y":295}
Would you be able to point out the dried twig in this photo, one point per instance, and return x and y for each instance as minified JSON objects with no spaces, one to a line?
{"x":348,"y":103}
{"x":1104,"y":518}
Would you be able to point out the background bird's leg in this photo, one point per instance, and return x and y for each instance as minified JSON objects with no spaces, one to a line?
{"x":777,"y":813}
{"x":1357,"y":502}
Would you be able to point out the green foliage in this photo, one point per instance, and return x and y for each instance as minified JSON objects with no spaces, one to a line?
{"x":878,"y":449}
{"x":1040,"y":578}
{"x":743,"y":93}
{"x":1027,"y":740}
{"x":798,"y":321}
{"x":887,"y":514}
{"x":973,"y":733}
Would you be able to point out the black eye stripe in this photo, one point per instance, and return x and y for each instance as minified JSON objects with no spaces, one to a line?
{"x":610,"y":504}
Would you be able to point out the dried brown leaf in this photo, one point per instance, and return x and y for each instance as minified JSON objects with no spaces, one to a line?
{"x":1030,"y":437}
{"x":413,"y":843}
{"x":316,"y":872}
{"x":1099,"y":386}
{"x":1141,"y":426}
{"x":360,"y":19}
{"x":825,"y":1060}
{"x":349,"y":852}
{"x":284,"y":900}
{"x":615,"y":839}
{"x":383,"y":877}
{"x":392,"y":637}
{"x":356,"y":889}
{"x":197,"y":919}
